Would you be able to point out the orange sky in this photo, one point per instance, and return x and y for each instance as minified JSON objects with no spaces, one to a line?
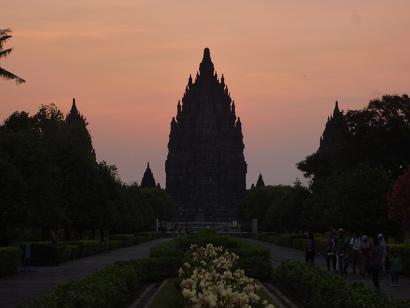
{"x":127,"y":63}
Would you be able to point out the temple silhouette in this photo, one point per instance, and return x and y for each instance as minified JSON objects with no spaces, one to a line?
{"x":148,"y":180}
{"x":206,"y":168}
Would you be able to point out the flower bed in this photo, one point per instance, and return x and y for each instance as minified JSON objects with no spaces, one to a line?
{"x":253,"y":258}
{"x":210,"y":277}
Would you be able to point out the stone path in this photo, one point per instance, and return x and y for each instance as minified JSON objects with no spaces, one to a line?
{"x":28,"y":285}
{"x":279,"y":254}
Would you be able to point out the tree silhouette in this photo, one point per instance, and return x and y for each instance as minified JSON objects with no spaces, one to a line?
{"x":5,"y":34}
{"x":399,"y":199}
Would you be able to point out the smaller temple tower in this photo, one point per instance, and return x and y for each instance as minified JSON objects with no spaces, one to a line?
{"x":260,"y":182}
{"x":148,"y":179}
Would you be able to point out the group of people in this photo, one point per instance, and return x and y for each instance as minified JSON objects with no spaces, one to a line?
{"x":365,"y":256}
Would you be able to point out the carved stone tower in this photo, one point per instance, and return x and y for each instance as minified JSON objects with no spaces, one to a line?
{"x":205,"y":167}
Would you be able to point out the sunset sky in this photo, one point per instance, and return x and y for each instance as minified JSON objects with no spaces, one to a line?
{"x":127,"y":63}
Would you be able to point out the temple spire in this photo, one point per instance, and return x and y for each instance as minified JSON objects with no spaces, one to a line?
{"x":336,"y":110}
{"x":74,"y":114}
{"x":260,"y":182}
{"x":74,"y":107}
{"x":148,"y":178}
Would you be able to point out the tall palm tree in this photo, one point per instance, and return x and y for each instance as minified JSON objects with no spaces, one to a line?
{"x":5,"y":34}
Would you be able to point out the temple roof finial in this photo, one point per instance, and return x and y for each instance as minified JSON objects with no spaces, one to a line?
{"x":207,"y":54}
{"x":206,"y":66}
{"x":336,"y":110}
{"x":74,"y":107}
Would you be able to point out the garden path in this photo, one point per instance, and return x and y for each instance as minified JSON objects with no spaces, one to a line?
{"x":40,"y":280}
{"x":280,"y":253}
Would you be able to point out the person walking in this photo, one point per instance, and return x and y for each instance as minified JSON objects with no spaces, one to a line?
{"x":365,"y":248}
{"x":331,"y":252}
{"x":376,"y":262}
{"x":382,"y":243}
{"x":355,"y":244}
{"x":395,"y":268}
{"x":341,"y":251}
{"x":27,"y":257}
{"x":54,"y":247}
{"x":310,"y":248}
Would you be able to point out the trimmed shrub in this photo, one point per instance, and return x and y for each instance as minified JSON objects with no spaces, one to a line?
{"x":126,"y":239}
{"x":88,"y":247}
{"x":74,"y":251}
{"x":296,"y":241}
{"x":45,"y":253}
{"x":312,"y":287}
{"x":171,"y":248}
{"x":115,"y":244}
{"x":114,"y":286}
{"x":10,"y":260}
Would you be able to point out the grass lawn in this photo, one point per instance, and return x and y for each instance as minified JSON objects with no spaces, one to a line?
{"x":170,"y":297}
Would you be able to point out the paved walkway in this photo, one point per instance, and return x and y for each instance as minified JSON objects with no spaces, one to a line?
{"x":28,"y":285}
{"x":279,"y":254}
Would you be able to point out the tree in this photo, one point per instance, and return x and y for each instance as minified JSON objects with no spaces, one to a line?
{"x":161,"y":203}
{"x":259,"y":200}
{"x":80,"y":174}
{"x":381,"y":134}
{"x":13,"y":197}
{"x":5,"y":34}
{"x":376,"y":136}
{"x":399,"y":199}
{"x":108,"y":193}
{"x":354,"y":199}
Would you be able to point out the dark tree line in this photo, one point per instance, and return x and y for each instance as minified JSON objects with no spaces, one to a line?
{"x":360,"y":156}
{"x":50,"y":180}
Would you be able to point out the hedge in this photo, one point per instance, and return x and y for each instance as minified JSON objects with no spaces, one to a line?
{"x":296,"y":241}
{"x":254,"y":258}
{"x":88,"y":247}
{"x":312,"y":287}
{"x":9,"y":260}
{"x":44,"y":253}
{"x":126,"y":239}
{"x":114,"y":286}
